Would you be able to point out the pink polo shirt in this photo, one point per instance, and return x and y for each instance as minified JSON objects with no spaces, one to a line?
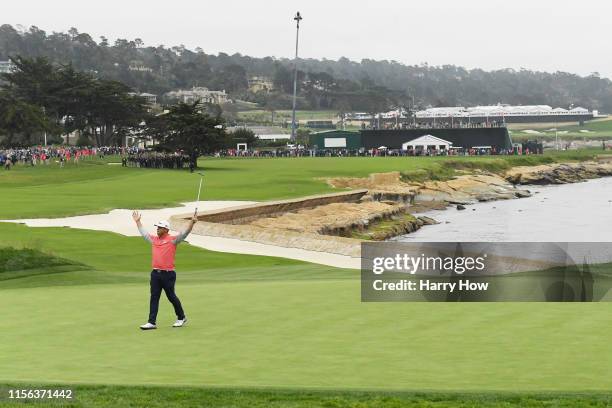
{"x":164,"y":250}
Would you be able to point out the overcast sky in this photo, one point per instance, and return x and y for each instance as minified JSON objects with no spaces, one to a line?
{"x":544,"y":35}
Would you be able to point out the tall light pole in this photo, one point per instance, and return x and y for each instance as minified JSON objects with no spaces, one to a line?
{"x":45,"y":134}
{"x":297,"y":19}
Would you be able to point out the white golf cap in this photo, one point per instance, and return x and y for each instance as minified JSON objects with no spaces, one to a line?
{"x":162,"y":224}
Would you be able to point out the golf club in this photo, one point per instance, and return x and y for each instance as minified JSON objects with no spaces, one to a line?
{"x":199,"y":189}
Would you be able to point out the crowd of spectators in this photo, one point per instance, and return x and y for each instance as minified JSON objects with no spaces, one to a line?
{"x":411,"y":152}
{"x":35,"y":156}
{"x":130,"y":156}
{"x":340,"y":152}
{"x":142,"y":158}
{"x":155,"y":160}
{"x":270,"y":152}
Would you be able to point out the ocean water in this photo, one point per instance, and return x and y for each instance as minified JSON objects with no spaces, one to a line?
{"x":580,"y":212}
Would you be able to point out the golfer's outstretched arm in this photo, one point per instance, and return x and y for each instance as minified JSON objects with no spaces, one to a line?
{"x":181,"y":237}
{"x":136,"y":216}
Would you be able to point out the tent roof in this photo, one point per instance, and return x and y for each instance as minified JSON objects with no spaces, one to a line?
{"x":427,"y":140}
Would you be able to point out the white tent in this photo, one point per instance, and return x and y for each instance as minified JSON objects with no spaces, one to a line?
{"x":427,"y":141}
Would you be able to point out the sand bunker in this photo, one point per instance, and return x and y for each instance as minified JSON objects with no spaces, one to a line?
{"x":120,"y":221}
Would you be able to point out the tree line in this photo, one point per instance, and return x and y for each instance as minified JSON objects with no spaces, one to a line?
{"x":343,"y":85}
{"x":41,"y":98}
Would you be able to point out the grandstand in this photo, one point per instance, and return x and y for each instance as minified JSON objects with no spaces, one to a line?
{"x":505,"y":113}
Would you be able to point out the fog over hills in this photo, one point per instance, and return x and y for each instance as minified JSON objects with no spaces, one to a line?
{"x":343,"y":84}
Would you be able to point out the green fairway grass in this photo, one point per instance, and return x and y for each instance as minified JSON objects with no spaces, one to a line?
{"x":596,"y":129}
{"x":300,"y":334}
{"x":268,"y":322}
{"x":94,"y":186}
{"x":180,"y":397}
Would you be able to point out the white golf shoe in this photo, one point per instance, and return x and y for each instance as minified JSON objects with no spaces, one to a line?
{"x":180,"y":323}
{"x":148,"y":326}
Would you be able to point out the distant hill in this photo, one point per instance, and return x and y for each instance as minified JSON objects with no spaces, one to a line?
{"x":341,"y":85}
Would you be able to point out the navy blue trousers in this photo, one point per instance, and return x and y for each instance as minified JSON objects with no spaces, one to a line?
{"x":163,"y":280}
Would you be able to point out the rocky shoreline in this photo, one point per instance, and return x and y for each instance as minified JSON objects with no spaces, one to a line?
{"x":415,"y":198}
{"x":561,"y":173}
{"x":463,"y":189}
{"x":410,"y":199}
{"x":386,"y":208}
{"x":378,"y":207}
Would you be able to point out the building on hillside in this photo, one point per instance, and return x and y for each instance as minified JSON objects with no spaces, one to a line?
{"x":268,"y":133}
{"x":260,"y":83}
{"x":6,"y":67}
{"x":274,"y":137}
{"x":202,"y":94}
{"x":150,"y":98}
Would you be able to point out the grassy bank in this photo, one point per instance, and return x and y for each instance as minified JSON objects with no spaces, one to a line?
{"x":446,"y":169}
{"x":284,"y":116}
{"x":26,"y":262}
{"x":170,"y":397}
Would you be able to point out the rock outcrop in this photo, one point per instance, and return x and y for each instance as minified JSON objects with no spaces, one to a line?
{"x":463,"y":189}
{"x":559,"y":173}
{"x":468,"y":189}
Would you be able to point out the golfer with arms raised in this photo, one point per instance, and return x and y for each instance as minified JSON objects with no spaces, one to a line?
{"x":163,"y":275}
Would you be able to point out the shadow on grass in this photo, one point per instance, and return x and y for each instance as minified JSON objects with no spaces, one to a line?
{"x":26,"y":262}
